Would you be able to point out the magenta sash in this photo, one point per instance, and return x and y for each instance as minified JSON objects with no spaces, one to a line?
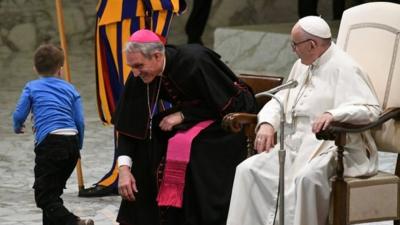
{"x":178,"y":156}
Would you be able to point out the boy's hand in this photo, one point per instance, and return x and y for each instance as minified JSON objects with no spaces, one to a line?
{"x":20,"y":130}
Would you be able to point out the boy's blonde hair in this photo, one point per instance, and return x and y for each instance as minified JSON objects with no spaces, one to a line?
{"x":48,"y":59}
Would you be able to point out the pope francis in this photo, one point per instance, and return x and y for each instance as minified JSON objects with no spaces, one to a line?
{"x":332,"y":87}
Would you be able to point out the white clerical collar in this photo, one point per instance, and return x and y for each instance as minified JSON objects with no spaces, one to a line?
{"x":324,"y":57}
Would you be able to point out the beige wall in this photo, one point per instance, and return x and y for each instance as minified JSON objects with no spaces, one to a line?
{"x":245,"y":12}
{"x":27,"y":23}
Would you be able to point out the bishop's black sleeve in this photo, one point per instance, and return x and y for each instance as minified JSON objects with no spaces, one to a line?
{"x":219,"y":90}
{"x":199,"y":113}
{"x":242,"y":102}
{"x":125,"y":145}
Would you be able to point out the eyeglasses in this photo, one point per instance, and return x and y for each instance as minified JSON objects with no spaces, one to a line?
{"x":294,"y":44}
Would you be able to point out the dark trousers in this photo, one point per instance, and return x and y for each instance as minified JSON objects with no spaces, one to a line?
{"x":197,"y":20}
{"x":169,"y":216}
{"x":309,"y":8}
{"x":56,"y":157}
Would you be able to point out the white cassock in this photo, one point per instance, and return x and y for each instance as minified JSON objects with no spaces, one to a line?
{"x":333,"y":83}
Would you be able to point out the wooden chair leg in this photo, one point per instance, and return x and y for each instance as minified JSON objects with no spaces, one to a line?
{"x":339,"y":191}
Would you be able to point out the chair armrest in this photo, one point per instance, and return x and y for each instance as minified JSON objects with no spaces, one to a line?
{"x":242,"y":122}
{"x":235,"y":122}
{"x":335,"y":128}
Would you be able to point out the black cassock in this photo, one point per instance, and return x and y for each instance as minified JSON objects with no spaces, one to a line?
{"x":202,"y":87}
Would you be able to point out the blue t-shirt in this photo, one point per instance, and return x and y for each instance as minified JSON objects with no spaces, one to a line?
{"x":54,"y":103}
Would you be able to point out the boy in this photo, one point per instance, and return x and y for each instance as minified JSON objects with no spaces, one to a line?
{"x":58,"y":125}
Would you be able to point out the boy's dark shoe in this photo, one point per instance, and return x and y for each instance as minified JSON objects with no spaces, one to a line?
{"x":85,"y":222}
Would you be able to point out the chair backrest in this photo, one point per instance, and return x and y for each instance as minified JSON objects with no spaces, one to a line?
{"x":370,"y":33}
{"x":260,"y":83}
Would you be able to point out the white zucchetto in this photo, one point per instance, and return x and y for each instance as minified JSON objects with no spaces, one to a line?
{"x":316,"y":26}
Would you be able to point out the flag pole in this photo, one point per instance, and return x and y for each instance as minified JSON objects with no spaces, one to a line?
{"x":67,"y":75}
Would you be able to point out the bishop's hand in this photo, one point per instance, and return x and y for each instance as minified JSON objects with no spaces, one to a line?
{"x":168,"y":122}
{"x":126,"y":184}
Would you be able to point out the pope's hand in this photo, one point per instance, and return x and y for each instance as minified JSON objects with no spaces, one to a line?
{"x":265,"y":138}
{"x":322,"y":122}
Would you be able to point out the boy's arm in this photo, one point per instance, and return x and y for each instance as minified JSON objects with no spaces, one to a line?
{"x":22,"y":110}
{"x":79,"y":120}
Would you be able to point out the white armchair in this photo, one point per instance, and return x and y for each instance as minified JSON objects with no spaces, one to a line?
{"x":370,"y":33}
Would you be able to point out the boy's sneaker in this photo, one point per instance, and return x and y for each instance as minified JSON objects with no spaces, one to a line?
{"x":85,"y":222}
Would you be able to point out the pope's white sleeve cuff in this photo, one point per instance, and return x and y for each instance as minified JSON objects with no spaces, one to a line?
{"x":124,"y":160}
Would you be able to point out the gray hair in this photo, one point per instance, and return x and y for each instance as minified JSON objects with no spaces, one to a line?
{"x":147,"y":49}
